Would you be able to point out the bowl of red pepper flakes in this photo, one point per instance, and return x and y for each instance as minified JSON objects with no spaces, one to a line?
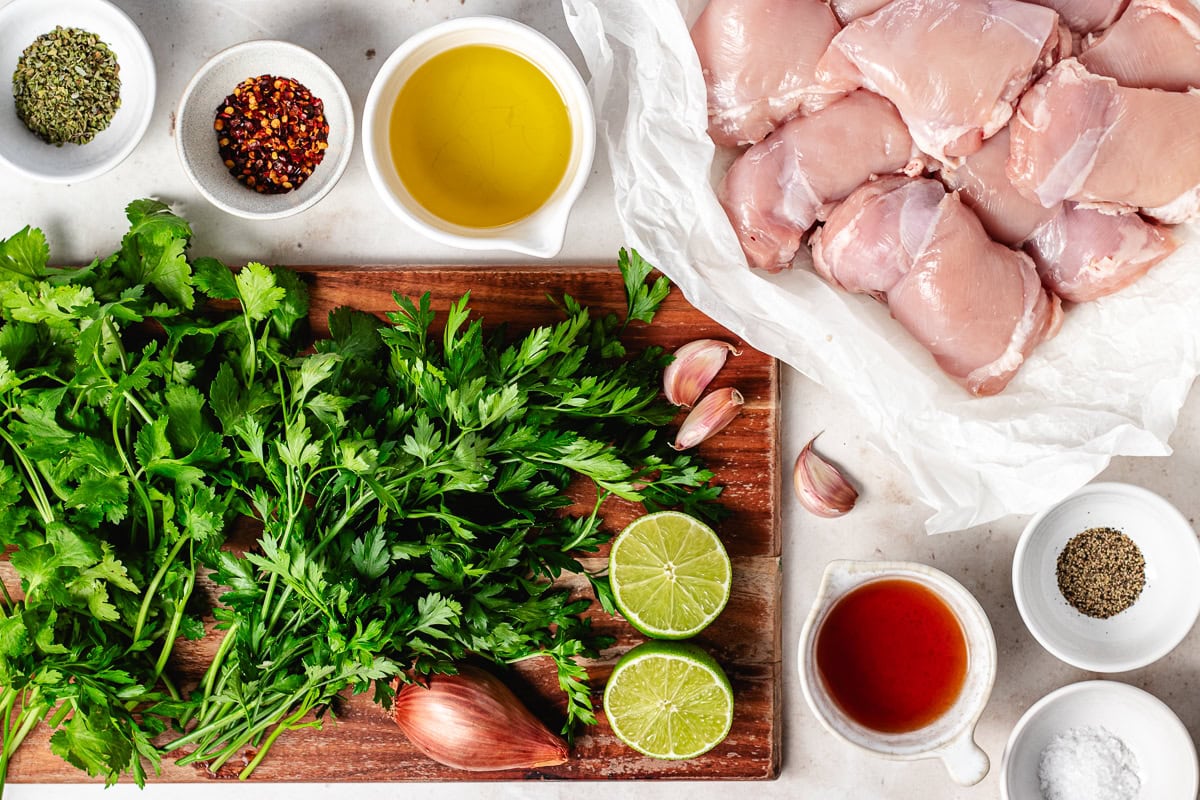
{"x":271,"y":133}
{"x":264,"y":129}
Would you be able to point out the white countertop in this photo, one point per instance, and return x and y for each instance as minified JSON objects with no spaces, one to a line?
{"x":350,"y":226}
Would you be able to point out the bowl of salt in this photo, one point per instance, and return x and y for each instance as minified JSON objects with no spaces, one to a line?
{"x":1099,"y":740}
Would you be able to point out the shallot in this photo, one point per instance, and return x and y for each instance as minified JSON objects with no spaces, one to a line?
{"x":472,"y":721}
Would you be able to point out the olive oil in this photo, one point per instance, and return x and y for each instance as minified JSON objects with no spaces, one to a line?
{"x":480,"y":136}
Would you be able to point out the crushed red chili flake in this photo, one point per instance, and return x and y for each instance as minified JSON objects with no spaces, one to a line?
{"x":271,"y":133}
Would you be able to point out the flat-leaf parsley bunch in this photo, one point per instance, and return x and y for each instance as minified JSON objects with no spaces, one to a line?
{"x":410,"y":476}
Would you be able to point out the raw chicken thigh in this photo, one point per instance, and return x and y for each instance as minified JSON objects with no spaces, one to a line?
{"x":976,"y":305}
{"x":1082,"y":137}
{"x":1085,"y":16}
{"x":1154,"y":45}
{"x":1008,"y":216}
{"x":849,"y":10}
{"x":1083,"y":253}
{"x":953,"y":68}
{"x":759,"y":58}
{"x":780,"y":187}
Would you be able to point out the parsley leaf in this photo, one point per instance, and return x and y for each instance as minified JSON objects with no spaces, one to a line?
{"x":643,"y":300}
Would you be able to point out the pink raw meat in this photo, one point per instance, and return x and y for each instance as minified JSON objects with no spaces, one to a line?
{"x":780,"y":187}
{"x":849,"y":10}
{"x":1085,"y":16}
{"x":1154,"y":45}
{"x":1084,"y":253}
{"x":1079,"y":136}
{"x":953,"y":68}
{"x":975,"y":305}
{"x":982,"y":181}
{"x":759,"y":58}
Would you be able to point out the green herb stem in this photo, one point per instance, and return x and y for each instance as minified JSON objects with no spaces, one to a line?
{"x":33,"y":483}
{"x":288,"y":724}
{"x":152,"y":589}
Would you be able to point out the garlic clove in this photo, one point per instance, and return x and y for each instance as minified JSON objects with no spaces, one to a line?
{"x":472,"y":721}
{"x":710,"y":415}
{"x":820,"y":487}
{"x":695,"y":365}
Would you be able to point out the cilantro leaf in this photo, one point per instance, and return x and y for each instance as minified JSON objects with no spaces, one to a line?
{"x":258,"y":291}
{"x":24,"y":255}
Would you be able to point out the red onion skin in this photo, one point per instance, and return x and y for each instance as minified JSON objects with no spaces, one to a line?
{"x":472,"y":721}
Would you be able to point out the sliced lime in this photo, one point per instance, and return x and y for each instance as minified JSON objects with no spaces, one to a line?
{"x":670,"y":575}
{"x":669,"y":700}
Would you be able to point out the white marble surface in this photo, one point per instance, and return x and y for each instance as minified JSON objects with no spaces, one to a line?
{"x":349,"y":226}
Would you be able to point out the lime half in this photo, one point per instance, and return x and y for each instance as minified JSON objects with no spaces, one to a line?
{"x":670,"y":575}
{"x":669,"y":700}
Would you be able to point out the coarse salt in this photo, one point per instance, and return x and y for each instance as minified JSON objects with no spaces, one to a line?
{"x":1088,"y":763}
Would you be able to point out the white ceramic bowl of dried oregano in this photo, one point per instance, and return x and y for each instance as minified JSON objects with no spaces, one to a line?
{"x":24,"y":22}
{"x":1106,"y":579}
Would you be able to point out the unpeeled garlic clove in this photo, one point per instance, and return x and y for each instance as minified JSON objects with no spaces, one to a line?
{"x":695,"y":364}
{"x":710,"y":415}
{"x":820,"y":487}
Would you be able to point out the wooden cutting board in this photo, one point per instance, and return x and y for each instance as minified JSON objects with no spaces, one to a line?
{"x":364,"y":745}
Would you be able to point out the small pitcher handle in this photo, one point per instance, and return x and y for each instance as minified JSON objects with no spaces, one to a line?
{"x":965,"y":761}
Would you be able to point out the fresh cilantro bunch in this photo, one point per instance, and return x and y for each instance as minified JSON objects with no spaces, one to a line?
{"x":411,"y":478}
{"x":111,"y":490}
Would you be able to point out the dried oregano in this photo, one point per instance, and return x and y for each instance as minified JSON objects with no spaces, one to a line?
{"x":67,"y":86}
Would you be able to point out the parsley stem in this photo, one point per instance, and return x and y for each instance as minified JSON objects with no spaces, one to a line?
{"x":33,"y":483}
{"x":262,"y":751}
{"x":173,"y":630}
{"x":125,"y":393}
{"x":585,"y":529}
{"x":171,"y":688}
{"x":147,"y":507}
{"x":148,"y":596}
{"x":30,"y":714}
{"x":7,"y":700}
{"x":246,"y":732}
{"x":253,"y":359}
{"x":210,"y":675}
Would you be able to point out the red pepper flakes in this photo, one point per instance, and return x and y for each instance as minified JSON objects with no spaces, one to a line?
{"x":271,"y":133}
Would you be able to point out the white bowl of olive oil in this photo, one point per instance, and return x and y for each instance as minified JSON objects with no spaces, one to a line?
{"x":479,"y":133}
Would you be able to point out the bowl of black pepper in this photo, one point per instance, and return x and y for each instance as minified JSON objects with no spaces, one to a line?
{"x":77,"y":87}
{"x":264,"y":129}
{"x":1106,"y":579}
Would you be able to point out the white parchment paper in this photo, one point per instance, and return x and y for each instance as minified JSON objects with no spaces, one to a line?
{"x":1111,"y":383}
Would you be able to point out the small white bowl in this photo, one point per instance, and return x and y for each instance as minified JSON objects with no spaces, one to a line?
{"x":950,"y":738}
{"x":196,"y":141}
{"x":541,"y":233}
{"x":1162,"y":746}
{"x":22,"y":21}
{"x":1163,"y":613}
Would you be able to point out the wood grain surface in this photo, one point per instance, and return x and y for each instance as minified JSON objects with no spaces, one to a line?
{"x":362,"y":744}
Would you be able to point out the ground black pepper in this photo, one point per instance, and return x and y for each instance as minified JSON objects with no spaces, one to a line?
{"x":1101,"y":572}
{"x":271,"y":133}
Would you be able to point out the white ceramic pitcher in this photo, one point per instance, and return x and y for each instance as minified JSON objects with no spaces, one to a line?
{"x":951,"y":736}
